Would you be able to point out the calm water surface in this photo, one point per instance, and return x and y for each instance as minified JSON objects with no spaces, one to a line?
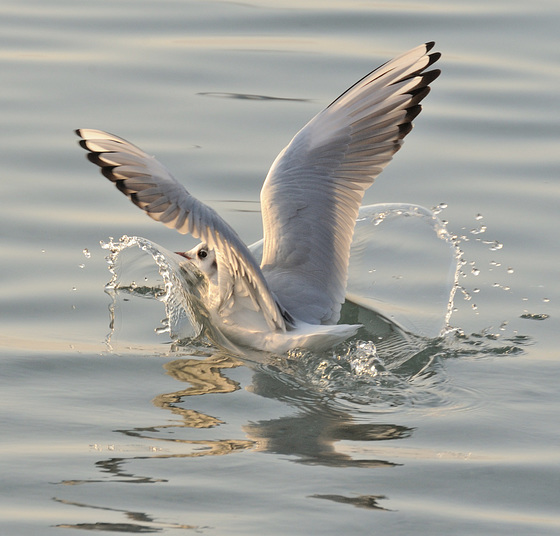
{"x":116,"y":428}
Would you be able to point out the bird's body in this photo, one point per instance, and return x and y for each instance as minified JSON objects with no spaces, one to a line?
{"x":310,"y":201}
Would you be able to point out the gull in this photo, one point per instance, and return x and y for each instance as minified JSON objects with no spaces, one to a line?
{"x":309,"y":202}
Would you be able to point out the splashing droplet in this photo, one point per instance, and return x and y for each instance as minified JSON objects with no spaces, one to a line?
{"x":437,"y":209}
{"x":494,"y":245}
{"x":86,"y":253}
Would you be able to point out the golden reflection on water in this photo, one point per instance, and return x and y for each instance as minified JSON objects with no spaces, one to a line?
{"x":205,"y":377}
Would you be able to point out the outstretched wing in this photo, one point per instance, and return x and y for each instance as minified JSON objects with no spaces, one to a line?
{"x":149,"y":185}
{"x":313,"y":191}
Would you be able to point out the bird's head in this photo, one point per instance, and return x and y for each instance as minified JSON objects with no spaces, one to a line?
{"x":203,"y":258}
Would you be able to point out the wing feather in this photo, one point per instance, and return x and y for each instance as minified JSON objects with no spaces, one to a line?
{"x":311,"y":196}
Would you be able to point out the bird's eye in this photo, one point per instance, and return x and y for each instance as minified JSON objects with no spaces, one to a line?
{"x":202,"y":254}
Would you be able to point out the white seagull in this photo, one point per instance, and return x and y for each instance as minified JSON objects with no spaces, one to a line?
{"x":309,"y":201}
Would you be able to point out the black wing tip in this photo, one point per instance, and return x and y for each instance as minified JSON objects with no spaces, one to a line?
{"x":426,"y":78}
{"x":433,"y":58}
{"x":83,"y":144}
{"x":411,"y":114}
{"x":79,"y":132}
{"x":95,"y":159}
{"x":107,"y":172}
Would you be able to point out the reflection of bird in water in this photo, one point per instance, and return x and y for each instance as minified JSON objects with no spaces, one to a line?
{"x":312,"y":439}
{"x":310,"y":435}
{"x":310,"y":202}
{"x":205,"y":377}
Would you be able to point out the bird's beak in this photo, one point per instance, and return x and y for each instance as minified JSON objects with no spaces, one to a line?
{"x":184,"y":254}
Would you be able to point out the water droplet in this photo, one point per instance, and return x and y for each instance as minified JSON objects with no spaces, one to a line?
{"x":86,"y":253}
{"x":42,"y":251}
{"x":509,"y":270}
{"x":476,"y":290}
{"x":474,"y":307}
{"x":81,"y":265}
{"x":495,"y":245}
{"x":438,"y":208}
{"x":479,"y":230}
{"x":74,"y":289}
{"x":478,"y":217}
{"x":546,"y":300}
{"x":475,"y":271}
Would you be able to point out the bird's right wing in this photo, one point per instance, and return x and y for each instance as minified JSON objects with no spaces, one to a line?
{"x":148,"y":184}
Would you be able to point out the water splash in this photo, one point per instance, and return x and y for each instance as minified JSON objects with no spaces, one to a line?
{"x":177,"y":290}
{"x":404,"y":264}
{"x":385,"y":365}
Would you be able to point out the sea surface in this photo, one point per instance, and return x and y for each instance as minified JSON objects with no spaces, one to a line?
{"x":116,"y":418}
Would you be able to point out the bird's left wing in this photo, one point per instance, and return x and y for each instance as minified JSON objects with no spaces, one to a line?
{"x":313,"y":191}
{"x":150,"y":186}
